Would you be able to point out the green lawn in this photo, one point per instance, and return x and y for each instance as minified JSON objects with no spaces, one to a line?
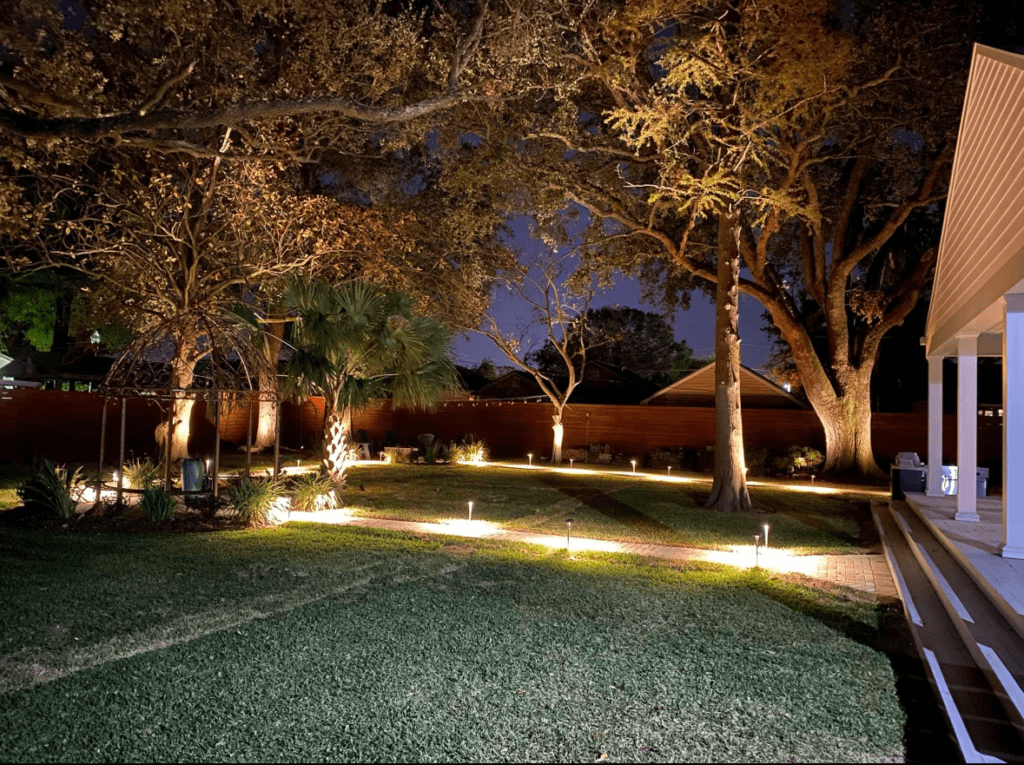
{"x":312,"y":642}
{"x":606,"y":505}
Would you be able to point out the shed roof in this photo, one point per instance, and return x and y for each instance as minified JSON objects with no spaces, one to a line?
{"x":698,"y":389}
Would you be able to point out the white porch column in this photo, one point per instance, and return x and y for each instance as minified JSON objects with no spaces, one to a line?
{"x":934,"y":488}
{"x":967,"y":426}
{"x":1013,"y":426}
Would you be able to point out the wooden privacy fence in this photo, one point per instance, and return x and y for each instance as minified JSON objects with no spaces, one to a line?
{"x":65,"y":426}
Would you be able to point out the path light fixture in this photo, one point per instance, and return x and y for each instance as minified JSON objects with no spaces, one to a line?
{"x":757,"y":544}
{"x":530,"y":455}
{"x":570,"y":463}
{"x":669,"y":471}
{"x":633,"y":463}
{"x":812,"y":479}
{"x":568,"y":528}
{"x":470,"y":510}
{"x":766,"y":537}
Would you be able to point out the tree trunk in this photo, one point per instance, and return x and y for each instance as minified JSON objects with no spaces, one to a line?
{"x":182,"y":372}
{"x":266,"y":431}
{"x":847,"y":426}
{"x":729,"y":490}
{"x":337,"y":441}
{"x":556,"y":446}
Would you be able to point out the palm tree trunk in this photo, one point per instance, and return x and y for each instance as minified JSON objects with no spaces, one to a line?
{"x":337,"y":442}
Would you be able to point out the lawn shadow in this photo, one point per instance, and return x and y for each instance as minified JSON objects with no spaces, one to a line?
{"x":603,"y":503}
{"x":925,"y":733}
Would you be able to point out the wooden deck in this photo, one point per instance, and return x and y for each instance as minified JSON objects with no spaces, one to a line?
{"x":970,"y":637}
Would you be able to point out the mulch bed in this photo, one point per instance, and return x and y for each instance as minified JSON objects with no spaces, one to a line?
{"x":130,"y":521}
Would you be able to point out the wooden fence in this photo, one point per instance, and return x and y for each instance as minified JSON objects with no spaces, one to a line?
{"x":65,"y":426}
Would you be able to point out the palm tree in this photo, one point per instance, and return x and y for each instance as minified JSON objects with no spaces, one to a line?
{"x":356,"y":342}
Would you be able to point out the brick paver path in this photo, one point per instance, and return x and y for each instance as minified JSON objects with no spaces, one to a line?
{"x":867,"y":573}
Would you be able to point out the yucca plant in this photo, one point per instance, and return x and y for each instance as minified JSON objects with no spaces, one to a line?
{"x":53,"y":488}
{"x":141,"y":474}
{"x":157,"y":504}
{"x":313,"y":492}
{"x":252,"y":499}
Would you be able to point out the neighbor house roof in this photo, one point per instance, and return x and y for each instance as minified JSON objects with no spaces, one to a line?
{"x":981,"y":253}
{"x":698,"y":389}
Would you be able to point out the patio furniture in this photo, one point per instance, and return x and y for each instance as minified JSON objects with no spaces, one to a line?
{"x":907,"y":475}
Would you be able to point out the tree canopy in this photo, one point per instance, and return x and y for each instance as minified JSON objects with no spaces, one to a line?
{"x":640,"y":341}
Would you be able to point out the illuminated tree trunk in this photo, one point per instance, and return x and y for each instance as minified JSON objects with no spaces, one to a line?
{"x":556,"y":446}
{"x":182,"y":373}
{"x":729,"y":490}
{"x":337,"y":441}
{"x":847,"y":424}
{"x":266,"y":430}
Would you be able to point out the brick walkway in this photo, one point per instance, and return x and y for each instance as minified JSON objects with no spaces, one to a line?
{"x":867,"y":573}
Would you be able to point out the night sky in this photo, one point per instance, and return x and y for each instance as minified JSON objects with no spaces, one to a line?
{"x":696,"y":326}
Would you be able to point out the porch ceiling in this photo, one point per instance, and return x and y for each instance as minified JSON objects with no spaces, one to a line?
{"x":981,"y":251}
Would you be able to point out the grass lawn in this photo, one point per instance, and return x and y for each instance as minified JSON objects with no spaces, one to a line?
{"x":608,"y":505}
{"x":311,"y":642}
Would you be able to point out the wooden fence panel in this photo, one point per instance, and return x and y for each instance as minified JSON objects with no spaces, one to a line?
{"x":65,"y":426}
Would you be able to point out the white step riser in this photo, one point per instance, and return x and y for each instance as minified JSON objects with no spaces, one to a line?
{"x":1007,"y":689}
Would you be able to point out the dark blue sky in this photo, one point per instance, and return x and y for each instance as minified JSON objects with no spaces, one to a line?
{"x":696,"y":326}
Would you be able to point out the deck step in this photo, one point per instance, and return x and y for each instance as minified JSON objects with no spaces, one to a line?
{"x":985,"y":570}
{"x":971,"y":692}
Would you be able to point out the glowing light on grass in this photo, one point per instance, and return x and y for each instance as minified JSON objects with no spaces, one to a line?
{"x":568,"y":529}
{"x":570,"y":463}
{"x":530,"y":455}
{"x":633,"y":462}
{"x":766,"y":537}
{"x":757,"y":546}
{"x":668,"y":471}
{"x":470,"y":510}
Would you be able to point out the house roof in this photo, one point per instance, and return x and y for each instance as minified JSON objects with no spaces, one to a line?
{"x":981,"y":250}
{"x":511,"y":385}
{"x":698,"y":389}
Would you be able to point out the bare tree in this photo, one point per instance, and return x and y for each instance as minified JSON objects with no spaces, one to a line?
{"x":558,"y":300}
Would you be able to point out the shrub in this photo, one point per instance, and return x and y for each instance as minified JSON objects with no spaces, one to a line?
{"x":798,"y":459}
{"x":431,"y":452}
{"x":758,"y":460}
{"x":157,"y":504}
{"x":470,"y":450}
{"x":313,"y":492}
{"x":141,"y":474}
{"x":53,"y":488}
{"x":252,"y":499}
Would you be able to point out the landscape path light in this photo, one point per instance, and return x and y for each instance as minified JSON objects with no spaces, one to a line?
{"x":471,"y":510}
{"x":669,"y":471}
{"x":766,"y":537}
{"x":570,"y":463}
{"x":568,"y":528}
{"x":530,"y":455}
{"x":757,"y":544}
{"x":633,"y":462}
